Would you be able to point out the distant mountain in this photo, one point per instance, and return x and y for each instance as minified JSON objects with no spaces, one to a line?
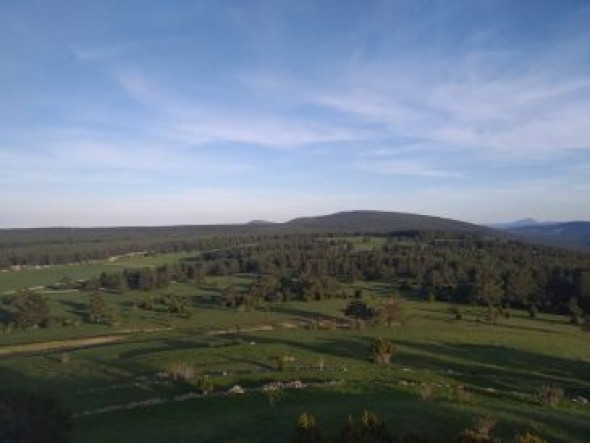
{"x":575,"y":233}
{"x":514,"y":224}
{"x":260,"y":222}
{"x":380,"y":221}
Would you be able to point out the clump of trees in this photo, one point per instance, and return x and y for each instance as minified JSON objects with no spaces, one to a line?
{"x":100,"y":312}
{"x":358,"y":309}
{"x":30,"y":309}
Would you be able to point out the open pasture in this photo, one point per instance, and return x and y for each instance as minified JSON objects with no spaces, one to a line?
{"x":467,"y":367}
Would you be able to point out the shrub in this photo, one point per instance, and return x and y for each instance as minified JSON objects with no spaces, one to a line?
{"x":426,"y":392}
{"x":369,"y":428}
{"x":461,"y":394}
{"x":575,"y":311}
{"x":32,"y":309}
{"x":360,"y":309}
{"x":431,"y":296}
{"x":356,"y":324}
{"x":382,"y":350}
{"x":280,"y":361}
{"x":456,"y":312}
{"x":480,"y":432}
{"x":551,"y":395}
{"x":528,"y":438}
{"x":204,"y":384}
{"x":306,"y":429}
{"x":533,"y":311}
{"x":181,"y":371}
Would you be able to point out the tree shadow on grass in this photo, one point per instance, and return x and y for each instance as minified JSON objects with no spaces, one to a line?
{"x":77,"y":308}
{"x":307,"y":315}
{"x":497,"y":367}
{"x":163,"y":346}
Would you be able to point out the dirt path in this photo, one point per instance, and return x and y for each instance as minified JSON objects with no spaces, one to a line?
{"x":235,"y":330}
{"x":59,"y":344}
{"x":72,"y":343}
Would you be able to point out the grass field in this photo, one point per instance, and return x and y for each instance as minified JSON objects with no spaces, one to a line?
{"x":14,"y":280}
{"x":502,"y":367}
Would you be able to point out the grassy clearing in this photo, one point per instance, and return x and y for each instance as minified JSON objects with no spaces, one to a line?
{"x":11,"y":281}
{"x":502,"y":367}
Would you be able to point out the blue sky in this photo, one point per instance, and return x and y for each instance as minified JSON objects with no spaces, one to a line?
{"x":152,"y":112}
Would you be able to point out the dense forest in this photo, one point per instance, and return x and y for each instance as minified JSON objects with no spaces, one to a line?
{"x":316,"y":258}
{"x":48,"y":246}
{"x":460,"y":269}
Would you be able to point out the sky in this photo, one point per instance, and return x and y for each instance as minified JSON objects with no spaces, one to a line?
{"x":194,"y":112}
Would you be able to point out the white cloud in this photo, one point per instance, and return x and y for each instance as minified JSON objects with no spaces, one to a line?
{"x":197,"y":123}
{"x":405,"y":168}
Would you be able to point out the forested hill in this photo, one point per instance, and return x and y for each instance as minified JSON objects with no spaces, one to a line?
{"x":66,"y":245}
{"x":380,"y":221}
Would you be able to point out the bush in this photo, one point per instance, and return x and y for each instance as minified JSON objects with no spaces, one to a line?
{"x":306,"y":429}
{"x":382,"y":350}
{"x":180,"y":371}
{"x":551,"y":395}
{"x":575,"y":311}
{"x":204,"y":384}
{"x":359,"y":309}
{"x":32,"y":309}
{"x":356,"y":324}
{"x":456,"y":312}
{"x":426,"y":392}
{"x":528,"y":438}
{"x":369,"y":428}
{"x":533,"y":311}
{"x":461,"y":395}
{"x":480,"y":432}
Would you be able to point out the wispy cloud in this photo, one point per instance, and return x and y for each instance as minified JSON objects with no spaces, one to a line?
{"x":199,"y":123}
{"x":405,"y":168}
{"x":509,"y":112}
{"x":465,"y":110}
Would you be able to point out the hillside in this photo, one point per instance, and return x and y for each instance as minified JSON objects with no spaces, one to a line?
{"x":575,"y":233}
{"x":69,"y":244}
{"x":380,"y":221}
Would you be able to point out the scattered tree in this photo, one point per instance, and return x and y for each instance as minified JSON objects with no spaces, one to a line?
{"x":382,"y":350}
{"x":31,"y":309}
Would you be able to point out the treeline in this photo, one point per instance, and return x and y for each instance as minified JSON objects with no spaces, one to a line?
{"x":461,"y":269}
{"x":464,"y":269}
{"x":59,"y":246}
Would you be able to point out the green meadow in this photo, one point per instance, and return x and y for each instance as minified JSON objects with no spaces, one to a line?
{"x":445,"y":374}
